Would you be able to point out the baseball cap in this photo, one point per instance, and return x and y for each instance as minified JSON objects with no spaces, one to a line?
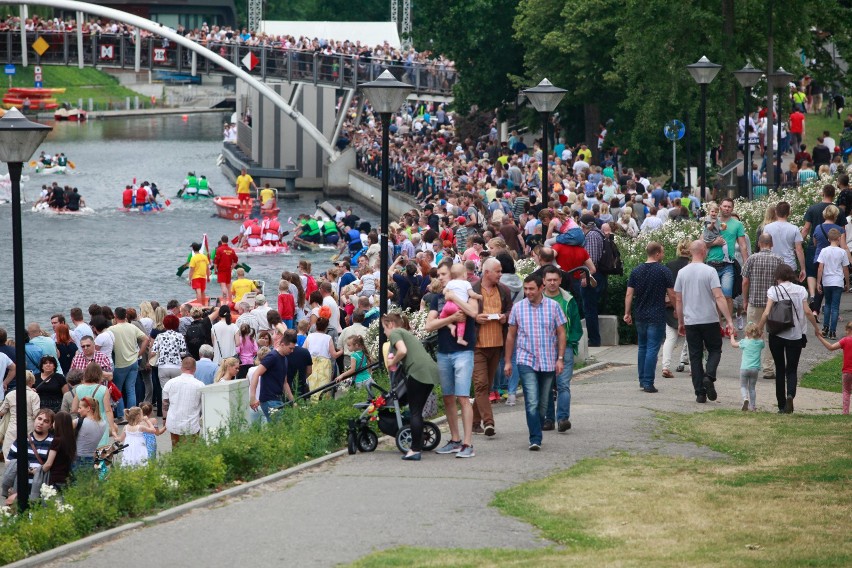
{"x":587,"y":219}
{"x":462,"y":219}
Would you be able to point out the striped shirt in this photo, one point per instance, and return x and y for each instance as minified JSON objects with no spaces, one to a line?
{"x":33,"y":460}
{"x":806,"y":175}
{"x":536,"y":341}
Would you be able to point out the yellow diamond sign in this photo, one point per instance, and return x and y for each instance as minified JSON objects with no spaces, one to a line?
{"x":40,"y":46}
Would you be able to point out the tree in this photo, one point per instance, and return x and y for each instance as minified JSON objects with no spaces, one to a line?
{"x":478,"y":36}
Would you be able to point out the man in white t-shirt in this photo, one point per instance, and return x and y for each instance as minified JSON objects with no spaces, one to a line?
{"x":699,"y":296}
{"x":182,"y":403}
{"x":787,"y":239}
{"x":328,"y":300}
{"x":7,"y":371}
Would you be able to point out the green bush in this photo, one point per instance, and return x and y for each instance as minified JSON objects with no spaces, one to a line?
{"x":294,"y":435}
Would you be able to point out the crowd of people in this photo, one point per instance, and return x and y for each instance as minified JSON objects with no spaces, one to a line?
{"x":481,"y":219}
{"x":424,"y":67}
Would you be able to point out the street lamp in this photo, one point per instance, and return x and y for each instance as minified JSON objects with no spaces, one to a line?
{"x":748,"y":77}
{"x":703,"y":72}
{"x":545,"y":98}
{"x":19,"y":139}
{"x":779,"y":81}
{"x":386,"y":96}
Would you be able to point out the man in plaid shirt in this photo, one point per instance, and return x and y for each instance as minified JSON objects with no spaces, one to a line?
{"x":87,"y":354}
{"x":537,"y":337}
{"x":758,"y":277}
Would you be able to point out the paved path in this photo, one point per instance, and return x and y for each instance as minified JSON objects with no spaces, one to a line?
{"x":358,"y":504}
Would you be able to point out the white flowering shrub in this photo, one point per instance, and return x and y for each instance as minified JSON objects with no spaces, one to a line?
{"x":417,"y":321}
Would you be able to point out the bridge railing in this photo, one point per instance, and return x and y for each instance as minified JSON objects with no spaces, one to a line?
{"x":119,"y":51}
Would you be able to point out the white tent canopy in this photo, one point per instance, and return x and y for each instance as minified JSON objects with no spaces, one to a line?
{"x":368,"y":33}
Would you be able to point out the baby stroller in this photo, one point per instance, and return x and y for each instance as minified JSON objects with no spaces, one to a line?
{"x":104,"y":457}
{"x":388,"y":409}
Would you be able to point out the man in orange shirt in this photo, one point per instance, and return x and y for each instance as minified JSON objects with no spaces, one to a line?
{"x":225,"y":260}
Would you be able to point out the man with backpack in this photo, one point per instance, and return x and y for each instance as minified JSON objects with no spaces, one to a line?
{"x":607,"y":260}
{"x":199,"y":331}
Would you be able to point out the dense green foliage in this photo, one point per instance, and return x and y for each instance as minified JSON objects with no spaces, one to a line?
{"x":295,"y":435}
{"x":321,"y":10}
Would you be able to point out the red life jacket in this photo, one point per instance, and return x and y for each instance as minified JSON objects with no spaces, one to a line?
{"x":141,"y":196}
{"x":274,"y":226}
{"x":127,"y":198}
{"x":255,"y":231}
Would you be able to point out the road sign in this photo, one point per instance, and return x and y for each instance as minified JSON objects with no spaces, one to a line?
{"x":250,"y":61}
{"x":39,"y":84}
{"x":159,"y":55}
{"x":674,"y":130}
{"x":40,"y":46}
{"x":10,"y":69}
{"x":37,"y":76}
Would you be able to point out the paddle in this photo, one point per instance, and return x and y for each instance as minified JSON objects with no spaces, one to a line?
{"x":244,"y":266}
{"x":72,"y":165}
{"x":180,"y":192}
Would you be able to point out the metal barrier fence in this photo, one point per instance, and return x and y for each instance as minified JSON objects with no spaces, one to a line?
{"x":119,"y":51}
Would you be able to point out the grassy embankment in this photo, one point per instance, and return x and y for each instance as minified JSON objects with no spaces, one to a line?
{"x":84,"y":84}
{"x":782,"y":497}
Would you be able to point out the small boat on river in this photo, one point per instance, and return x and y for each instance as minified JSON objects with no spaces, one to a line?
{"x":46,"y":209}
{"x":229,"y":207}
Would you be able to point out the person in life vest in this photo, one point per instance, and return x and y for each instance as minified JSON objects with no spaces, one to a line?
{"x":142,"y":196}
{"x":127,"y":198}
{"x":254,"y":238}
{"x":330,"y":233}
{"x":245,"y":229}
{"x":204,"y":187}
{"x":267,"y":197}
{"x":62,"y":160}
{"x":271,"y":232}
{"x":190,"y":185}
{"x":310,"y":229}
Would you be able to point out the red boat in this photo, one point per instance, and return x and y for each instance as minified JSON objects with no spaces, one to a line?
{"x":229,"y":207}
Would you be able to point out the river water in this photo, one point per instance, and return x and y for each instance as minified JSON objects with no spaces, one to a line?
{"x":115,"y":258}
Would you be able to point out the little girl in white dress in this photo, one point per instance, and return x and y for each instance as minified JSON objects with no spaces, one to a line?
{"x":136,"y":452}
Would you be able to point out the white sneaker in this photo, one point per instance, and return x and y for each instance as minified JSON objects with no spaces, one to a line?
{"x":511,"y":400}
{"x":740,"y":322}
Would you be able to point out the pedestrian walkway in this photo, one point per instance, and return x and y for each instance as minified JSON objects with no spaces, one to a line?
{"x":352,"y":506}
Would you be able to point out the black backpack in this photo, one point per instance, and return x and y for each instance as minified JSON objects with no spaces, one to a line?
{"x":195,"y":337}
{"x":415,"y":295}
{"x":610,"y":261}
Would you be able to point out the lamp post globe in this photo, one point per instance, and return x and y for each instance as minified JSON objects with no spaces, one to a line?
{"x":544,"y":97}
{"x":386,"y":96}
{"x":703,"y":72}
{"x":19,"y":139}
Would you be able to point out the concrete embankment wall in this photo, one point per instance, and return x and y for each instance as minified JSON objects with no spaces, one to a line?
{"x":367,"y":191}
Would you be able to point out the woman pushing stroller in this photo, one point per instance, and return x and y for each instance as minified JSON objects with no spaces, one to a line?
{"x":420,"y":370}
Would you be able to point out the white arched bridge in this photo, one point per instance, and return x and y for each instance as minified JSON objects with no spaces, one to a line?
{"x":170,"y":52}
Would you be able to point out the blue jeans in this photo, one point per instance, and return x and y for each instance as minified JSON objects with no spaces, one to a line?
{"x":269,"y":405}
{"x":125,"y":379}
{"x":591,"y":300}
{"x":832,"y":306}
{"x":563,"y":390}
{"x":456,"y":371}
{"x":651,"y":336}
{"x":537,"y":386}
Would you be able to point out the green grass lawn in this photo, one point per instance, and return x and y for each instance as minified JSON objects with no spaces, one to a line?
{"x":816,"y":124}
{"x":782,"y":498}
{"x":83,"y":84}
{"x":825,"y":376}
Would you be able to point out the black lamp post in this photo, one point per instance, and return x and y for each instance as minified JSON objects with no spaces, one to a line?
{"x":703,"y":72}
{"x":545,"y":98}
{"x":748,"y":77}
{"x":19,"y":139}
{"x":386,"y":96}
{"x":779,"y":81}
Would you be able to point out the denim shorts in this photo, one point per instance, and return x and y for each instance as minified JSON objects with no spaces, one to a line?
{"x":456,"y":371}
{"x":726,"y":278}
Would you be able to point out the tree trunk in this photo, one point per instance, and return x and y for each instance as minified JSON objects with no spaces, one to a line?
{"x":592,"y":113}
{"x":729,"y":131}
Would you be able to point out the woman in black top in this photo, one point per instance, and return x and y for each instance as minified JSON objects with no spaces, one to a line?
{"x":63,"y":450}
{"x":51,"y":385}
{"x":65,"y":347}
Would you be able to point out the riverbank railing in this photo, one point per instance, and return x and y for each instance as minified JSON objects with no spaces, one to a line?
{"x":433,"y":77}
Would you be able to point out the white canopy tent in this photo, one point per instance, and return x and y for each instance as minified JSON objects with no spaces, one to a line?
{"x":368,"y":33}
